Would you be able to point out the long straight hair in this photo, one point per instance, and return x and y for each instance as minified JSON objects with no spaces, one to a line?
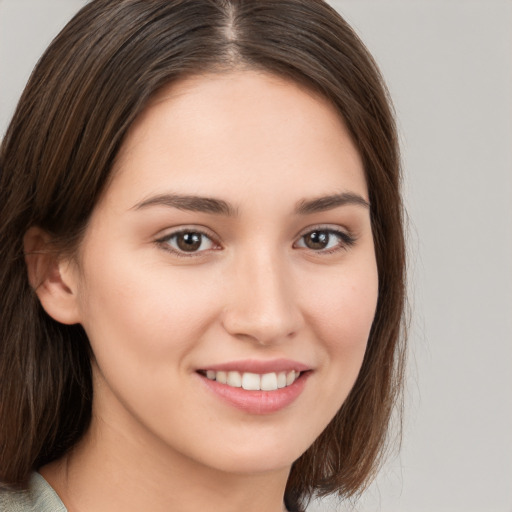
{"x":56,"y":158}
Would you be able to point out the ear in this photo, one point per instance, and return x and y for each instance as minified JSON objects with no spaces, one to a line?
{"x":53,"y":278}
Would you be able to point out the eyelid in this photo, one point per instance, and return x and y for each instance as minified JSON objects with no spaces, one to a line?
{"x":348,"y":237}
{"x":162,"y":240}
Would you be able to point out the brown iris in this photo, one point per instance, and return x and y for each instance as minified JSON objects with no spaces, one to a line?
{"x":189,"y":242}
{"x":317,"y":240}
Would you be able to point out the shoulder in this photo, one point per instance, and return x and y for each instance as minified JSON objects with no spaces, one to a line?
{"x":39,"y":497}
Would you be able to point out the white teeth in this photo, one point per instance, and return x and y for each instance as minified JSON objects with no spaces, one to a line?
{"x":290,"y":378}
{"x":251,"y":381}
{"x":234,"y":379}
{"x":254,"y":381}
{"x":269,"y":382}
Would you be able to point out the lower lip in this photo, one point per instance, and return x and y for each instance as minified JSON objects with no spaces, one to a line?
{"x":258,"y":402}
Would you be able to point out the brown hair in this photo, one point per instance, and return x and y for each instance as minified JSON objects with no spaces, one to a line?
{"x":86,"y":91}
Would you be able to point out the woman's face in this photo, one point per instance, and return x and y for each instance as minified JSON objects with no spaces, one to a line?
{"x":232,"y":247}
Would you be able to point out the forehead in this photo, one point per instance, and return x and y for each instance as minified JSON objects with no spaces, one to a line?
{"x":244,"y":131}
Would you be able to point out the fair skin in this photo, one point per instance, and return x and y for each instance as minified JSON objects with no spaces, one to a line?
{"x":168,"y":288}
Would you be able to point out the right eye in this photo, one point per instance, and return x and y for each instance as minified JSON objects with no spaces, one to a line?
{"x":187,"y":242}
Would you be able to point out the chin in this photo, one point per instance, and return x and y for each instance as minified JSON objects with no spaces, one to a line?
{"x":263,"y":451}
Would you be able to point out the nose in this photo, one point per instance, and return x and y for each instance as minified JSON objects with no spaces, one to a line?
{"x":262,"y":305}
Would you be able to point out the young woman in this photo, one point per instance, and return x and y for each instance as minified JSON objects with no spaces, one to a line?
{"x":202,"y":262}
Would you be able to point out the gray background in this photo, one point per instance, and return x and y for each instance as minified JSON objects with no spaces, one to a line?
{"x":449,"y":68}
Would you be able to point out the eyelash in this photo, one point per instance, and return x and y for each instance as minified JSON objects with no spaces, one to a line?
{"x":164,"y":242}
{"x":346,"y":240}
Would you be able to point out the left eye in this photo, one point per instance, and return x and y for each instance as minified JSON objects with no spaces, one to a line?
{"x":324,"y":239}
{"x":189,"y":241}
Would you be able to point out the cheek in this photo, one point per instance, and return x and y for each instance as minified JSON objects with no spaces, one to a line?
{"x":144,"y":323}
{"x":342,"y":316}
{"x":346,"y":302}
{"x":145,"y":312}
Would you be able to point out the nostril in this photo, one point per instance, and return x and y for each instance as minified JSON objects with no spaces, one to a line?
{"x":263,"y":327}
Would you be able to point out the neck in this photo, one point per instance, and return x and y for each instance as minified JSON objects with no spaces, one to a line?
{"x":107,"y":471}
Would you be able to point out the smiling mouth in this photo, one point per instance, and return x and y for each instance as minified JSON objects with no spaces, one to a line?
{"x":253,"y":381}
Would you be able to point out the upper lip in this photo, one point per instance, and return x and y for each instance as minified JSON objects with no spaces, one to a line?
{"x":259,"y":366}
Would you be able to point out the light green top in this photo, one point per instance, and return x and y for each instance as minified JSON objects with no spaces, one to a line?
{"x":40,"y":497}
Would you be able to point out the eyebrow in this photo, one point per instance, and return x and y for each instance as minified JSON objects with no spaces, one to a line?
{"x":326,"y":203}
{"x":189,"y":203}
{"x":221,"y":207}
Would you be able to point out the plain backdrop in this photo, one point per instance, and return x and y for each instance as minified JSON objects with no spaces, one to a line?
{"x":448,"y":64}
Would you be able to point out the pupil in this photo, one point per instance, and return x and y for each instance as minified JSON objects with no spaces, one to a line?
{"x":317,"y":240}
{"x":189,"y":241}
